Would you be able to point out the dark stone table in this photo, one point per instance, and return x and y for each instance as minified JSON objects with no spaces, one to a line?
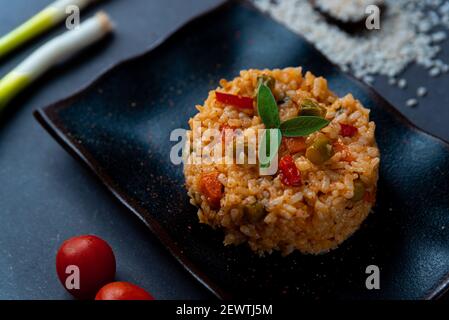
{"x":46,"y":196}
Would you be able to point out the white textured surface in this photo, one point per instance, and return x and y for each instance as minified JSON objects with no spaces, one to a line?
{"x":411,"y":31}
{"x":346,"y":10}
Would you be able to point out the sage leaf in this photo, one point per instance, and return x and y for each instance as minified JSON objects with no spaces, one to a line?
{"x":267,"y":107}
{"x":302,"y":126}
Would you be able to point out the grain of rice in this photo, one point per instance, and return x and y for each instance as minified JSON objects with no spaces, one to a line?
{"x":411,"y":102}
{"x":421,"y":91}
{"x":402,"y":83}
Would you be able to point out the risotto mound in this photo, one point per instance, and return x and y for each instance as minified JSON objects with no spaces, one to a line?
{"x":328,"y":185}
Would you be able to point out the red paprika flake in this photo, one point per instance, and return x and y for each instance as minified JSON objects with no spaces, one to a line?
{"x":234,"y":100}
{"x":289,"y":173}
{"x":347,"y":130}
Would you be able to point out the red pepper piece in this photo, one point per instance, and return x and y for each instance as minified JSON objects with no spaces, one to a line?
{"x":347,"y":130}
{"x":295,"y":144}
{"x":234,"y":100}
{"x":340,"y":147}
{"x":212,"y":188}
{"x":290,"y":175}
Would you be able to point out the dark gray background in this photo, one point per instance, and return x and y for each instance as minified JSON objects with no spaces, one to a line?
{"x":46,"y":196}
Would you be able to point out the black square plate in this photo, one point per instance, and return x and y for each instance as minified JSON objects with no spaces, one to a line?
{"x":120,"y":127}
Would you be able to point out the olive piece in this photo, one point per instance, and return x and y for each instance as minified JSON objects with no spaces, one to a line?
{"x":254,"y":213}
{"x":312,"y":108}
{"x":267,"y":80}
{"x":359,"y":190}
{"x":320,"y":151}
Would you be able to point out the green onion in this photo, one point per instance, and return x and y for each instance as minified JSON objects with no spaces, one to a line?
{"x":51,"y":53}
{"x":41,"y":22}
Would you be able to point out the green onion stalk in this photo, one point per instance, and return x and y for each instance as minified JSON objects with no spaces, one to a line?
{"x":51,"y":53}
{"x":49,"y":17}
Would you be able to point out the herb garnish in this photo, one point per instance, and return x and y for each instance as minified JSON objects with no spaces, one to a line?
{"x":302,"y":126}
{"x":295,"y":127}
{"x":267,"y":107}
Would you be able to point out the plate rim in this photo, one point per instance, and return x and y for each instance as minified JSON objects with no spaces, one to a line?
{"x":47,"y":118}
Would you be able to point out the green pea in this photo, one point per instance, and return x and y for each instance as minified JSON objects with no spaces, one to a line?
{"x":312,"y":108}
{"x":320,"y":151}
{"x":359,"y":190}
{"x":254,"y":213}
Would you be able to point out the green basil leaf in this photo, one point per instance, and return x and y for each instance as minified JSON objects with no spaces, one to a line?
{"x":267,"y":107}
{"x":269,"y":154}
{"x":302,"y":126}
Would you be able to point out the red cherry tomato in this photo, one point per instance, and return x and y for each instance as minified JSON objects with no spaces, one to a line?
{"x":84,"y":264}
{"x":122,"y":291}
{"x":290,"y":175}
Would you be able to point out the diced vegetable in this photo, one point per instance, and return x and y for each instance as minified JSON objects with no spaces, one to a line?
{"x":254,"y":213}
{"x":295,"y":145}
{"x":312,"y":108}
{"x":289,"y":173}
{"x":234,"y":100}
{"x":267,"y":80}
{"x":320,"y":151}
{"x":212,"y":189}
{"x":340,"y":147}
{"x":359,"y":190}
{"x":348,"y":130}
